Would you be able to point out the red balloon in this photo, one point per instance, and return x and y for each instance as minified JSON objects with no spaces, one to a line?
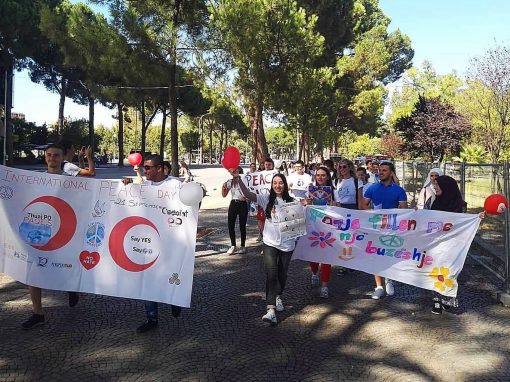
{"x":231,"y":158}
{"x":495,"y":204}
{"x":135,"y":159}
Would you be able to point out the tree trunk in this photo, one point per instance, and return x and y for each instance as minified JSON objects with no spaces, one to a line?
{"x":162,"y":136}
{"x":61,"y":104}
{"x":222,"y":132}
{"x":144,"y":129}
{"x":256,"y":125}
{"x":210,"y":143}
{"x":9,"y":141}
{"x":302,"y":148}
{"x":92,"y":141}
{"x":120,"y":137}
{"x":172,"y":93}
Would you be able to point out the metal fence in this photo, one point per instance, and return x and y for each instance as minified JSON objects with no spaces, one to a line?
{"x":476,"y":182}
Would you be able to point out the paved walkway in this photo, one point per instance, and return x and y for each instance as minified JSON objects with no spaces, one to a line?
{"x":349,"y":337}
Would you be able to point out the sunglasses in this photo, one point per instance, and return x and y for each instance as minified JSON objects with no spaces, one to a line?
{"x":343,"y":166}
{"x":147,"y":168}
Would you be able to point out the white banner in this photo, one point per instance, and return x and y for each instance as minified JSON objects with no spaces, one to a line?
{"x":291,"y":219}
{"x":97,"y":236}
{"x":422,"y":248}
{"x":259,"y":182}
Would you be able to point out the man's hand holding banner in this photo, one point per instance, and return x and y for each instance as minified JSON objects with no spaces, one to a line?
{"x":97,"y":236}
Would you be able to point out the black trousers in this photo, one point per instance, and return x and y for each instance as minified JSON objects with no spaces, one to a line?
{"x":237,"y":208}
{"x":276,"y":263}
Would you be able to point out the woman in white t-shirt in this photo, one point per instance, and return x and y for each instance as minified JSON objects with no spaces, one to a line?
{"x":349,"y":188}
{"x":237,"y":207}
{"x":277,"y":252}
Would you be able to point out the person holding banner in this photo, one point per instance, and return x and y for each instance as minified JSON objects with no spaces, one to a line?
{"x":237,"y":207}
{"x":73,"y":170}
{"x":349,"y":191}
{"x":154,"y":172}
{"x":322,"y":179}
{"x":428,"y":192}
{"x":448,"y":198}
{"x":384,"y":195}
{"x":277,"y":252}
{"x":54,"y":156}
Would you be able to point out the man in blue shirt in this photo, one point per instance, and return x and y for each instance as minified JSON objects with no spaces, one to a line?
{"x":385,"y":195}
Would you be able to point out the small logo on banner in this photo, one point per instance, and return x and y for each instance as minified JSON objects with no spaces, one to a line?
{"x":6,"y":192}
{"x":43,"y":261}
{"x":174,"y":279}
{"x":89,"y":259}
{"x":95,"y":234}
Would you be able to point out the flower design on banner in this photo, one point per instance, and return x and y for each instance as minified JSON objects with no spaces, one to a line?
{"x":440,"y":275}
{"x":319,"y":239}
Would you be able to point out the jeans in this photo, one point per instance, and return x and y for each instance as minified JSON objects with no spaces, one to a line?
{"x":237,"y":207}
{"x":276,"y":263}
{"x":151,"y":310}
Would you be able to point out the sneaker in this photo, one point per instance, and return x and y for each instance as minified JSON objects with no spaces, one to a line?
{"x":279,"y":304}
{"x":73,"y":299}
{"x":437,"y":307}
{"x":242,"y":250}
{"x":270,"y":317}
{"x":259,"y":238}
{"x":315,"y":280}
{"x":148,"y":326}
{"x":390,"y":289}
{"x":231,"y":250}
{"x":324,"y":292}
{"x":378,"y":293}
{"x":32,"y":322}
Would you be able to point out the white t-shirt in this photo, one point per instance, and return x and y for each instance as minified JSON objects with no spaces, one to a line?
{"x":167,"y":179}
{"x":272,"y":235}
{"x":235,"y":191}
{"x":298,"y":184}
{"x":71,"y":168}
{"x":346,"y":191}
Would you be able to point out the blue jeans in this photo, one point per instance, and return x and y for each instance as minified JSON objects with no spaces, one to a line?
{"x":151,"y":310}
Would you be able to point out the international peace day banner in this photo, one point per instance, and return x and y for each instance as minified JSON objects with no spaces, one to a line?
{"x":423,"y":248}
{"x":97,"y":236}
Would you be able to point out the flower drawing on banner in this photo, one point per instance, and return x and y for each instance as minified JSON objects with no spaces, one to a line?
{"x":319,"y":239}
{"x":442,"y":282}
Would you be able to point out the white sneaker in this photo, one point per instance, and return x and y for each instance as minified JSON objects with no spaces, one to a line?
{"x":315,"y":280}
{"x":378,"y":293}
{"x":324,"y":292}
{"x":270,"y":317}
{"x":390,"y":289}
{"x":279,"y":304}
{"x":231,"y":250}
{"x":242,"y":250}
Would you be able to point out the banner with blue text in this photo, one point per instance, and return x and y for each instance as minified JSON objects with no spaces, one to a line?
{"x":97,"y":236}
{"x":423,"y":248}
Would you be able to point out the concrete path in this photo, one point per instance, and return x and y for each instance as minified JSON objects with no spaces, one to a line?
{"x":348,"y":337}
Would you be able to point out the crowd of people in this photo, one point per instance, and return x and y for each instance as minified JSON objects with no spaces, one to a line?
{"x":373,"y":185}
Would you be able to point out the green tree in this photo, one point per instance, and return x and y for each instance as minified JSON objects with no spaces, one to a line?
{"x":268,"y":41}
{"x":486,"y":101}
{"x":424,"y":82}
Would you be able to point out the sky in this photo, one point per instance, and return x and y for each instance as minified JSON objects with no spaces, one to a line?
{"x":445,"y":32}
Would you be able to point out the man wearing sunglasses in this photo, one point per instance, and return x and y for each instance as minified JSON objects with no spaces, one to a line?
{"x":154,"y":174}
